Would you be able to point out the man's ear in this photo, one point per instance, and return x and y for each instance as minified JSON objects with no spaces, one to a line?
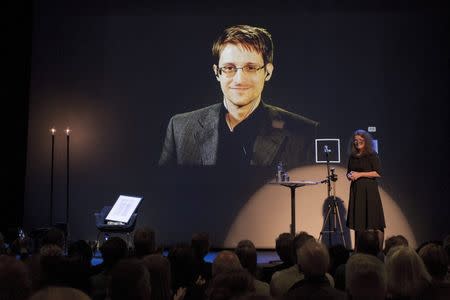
{"x":216,"y":72}
{"x":269,"y":71}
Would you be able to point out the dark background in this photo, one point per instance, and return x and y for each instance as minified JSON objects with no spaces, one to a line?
{"x":115,"y":73}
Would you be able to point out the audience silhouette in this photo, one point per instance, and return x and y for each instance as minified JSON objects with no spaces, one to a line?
{"x":50,"y":268}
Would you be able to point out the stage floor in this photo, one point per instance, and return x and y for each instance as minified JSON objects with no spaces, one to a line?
{"x":263,"y":257}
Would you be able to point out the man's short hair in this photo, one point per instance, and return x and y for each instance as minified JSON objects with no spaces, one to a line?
{"x":182,"y":265}
{"x":246,"y":252}
{"x":435,"y":259}
{"x":339,"y":255}
{"x":160,"y":277}
{"x":394,"y":241}
{"x":299,"y":241}
{"x":249,"y":37}
{"x":81,"y":250}
{"x":231,"y":285}
{"x":15,"y":280}
{"x":365,"y":275}
{"x":200,"y":244}
{"x":59,"y":292}
{"x":51,"y":250}
{"x":113,"y":250}
{"x":313,"y":258}
{"x":283,"y":246}
{"x":446,"y":245}
{"x":225,"y":261}
{"x":130,"y":279}
{"x":368,"y":242}
{"x":144,"y":241}
{"x":54,"y":236}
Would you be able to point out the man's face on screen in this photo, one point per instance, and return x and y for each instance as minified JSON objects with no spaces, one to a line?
{"x":243,"y":86}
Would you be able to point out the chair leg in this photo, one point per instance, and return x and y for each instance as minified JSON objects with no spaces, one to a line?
{"x":128,"y":240}
{"x":97,"y":242}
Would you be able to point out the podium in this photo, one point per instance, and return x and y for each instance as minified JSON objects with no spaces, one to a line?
{"x":293,"y":185}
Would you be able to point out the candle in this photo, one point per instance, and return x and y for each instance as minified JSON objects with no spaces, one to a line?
{"x":52,"y":131}
{"x":67,"y":180}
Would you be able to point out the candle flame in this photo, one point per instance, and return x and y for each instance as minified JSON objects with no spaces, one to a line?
{"x":53,"y":130}
{"x":67,"y":131}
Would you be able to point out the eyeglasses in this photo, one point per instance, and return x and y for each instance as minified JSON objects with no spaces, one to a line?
{"x":231,"y":70}
{"x":359,"y":142}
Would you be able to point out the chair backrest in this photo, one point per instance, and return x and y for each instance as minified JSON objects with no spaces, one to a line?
{"x":105,"y":211}
{"x":100,"y":216}
{"x":132,"y":222}
{"x":104,"y":227}
{"x":100,"y":219}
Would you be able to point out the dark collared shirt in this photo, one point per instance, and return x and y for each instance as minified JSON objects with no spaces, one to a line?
{"x":236,"y":147}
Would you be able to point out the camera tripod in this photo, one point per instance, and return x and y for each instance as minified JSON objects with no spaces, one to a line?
{"x":333,"y":207}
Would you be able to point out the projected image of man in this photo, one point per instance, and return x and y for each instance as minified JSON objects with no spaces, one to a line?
{"x":243,"y":129}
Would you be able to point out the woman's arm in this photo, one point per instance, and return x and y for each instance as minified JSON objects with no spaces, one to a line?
{"x":353,"y":175}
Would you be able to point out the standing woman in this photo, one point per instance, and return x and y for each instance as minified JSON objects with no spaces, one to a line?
{"x":365,"y":211}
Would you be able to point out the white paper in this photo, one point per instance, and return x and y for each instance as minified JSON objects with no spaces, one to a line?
{"x":123,"y":209}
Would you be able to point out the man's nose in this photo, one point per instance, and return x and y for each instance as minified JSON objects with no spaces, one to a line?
{"x":239,"y":76}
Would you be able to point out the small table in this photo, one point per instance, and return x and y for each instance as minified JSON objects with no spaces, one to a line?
{"x":293,"y":185}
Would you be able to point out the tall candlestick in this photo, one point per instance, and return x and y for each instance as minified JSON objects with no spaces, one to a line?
{"x":53,"y":131}
{"x":67,"y":180}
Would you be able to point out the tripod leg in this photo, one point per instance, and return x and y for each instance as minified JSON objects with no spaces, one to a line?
{"x":325,"y":222}
{"x":335,"y":212}
{"x":380,"y":234}
{"x":340,"y":226}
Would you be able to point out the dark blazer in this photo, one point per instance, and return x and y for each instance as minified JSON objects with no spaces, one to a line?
{"x":192,"y":138}
{"x":314,"y":288}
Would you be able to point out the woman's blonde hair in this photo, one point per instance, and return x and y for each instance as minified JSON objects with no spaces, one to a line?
{"x":406,"y":272}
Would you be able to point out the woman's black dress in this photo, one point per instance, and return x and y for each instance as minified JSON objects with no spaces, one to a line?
{"x":365,"y":210}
